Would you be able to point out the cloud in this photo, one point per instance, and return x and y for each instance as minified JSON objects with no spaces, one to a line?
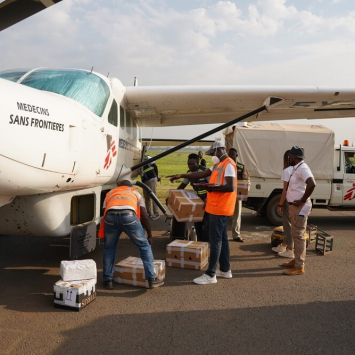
{"x":203,"y":42}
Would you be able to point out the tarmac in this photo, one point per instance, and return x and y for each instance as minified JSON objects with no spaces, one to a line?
{"x":258,"y":311}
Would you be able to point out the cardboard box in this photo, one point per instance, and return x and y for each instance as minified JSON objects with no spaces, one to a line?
{"x":74,"y":295}
{"x":186,"y":206}
{"x":130,"y":271}
{"x":187,"y":254}
{"x":242,"y":190}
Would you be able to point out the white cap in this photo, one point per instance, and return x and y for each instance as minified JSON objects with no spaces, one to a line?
{"x":214,"y":146}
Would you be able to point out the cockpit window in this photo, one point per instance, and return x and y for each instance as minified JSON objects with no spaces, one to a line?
{"x":83,"y":87}
{"x":13,"y":74}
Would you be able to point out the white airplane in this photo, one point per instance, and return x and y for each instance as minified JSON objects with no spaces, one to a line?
{"x":67,"y":135}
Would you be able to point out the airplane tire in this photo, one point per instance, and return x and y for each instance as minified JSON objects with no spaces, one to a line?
{"x":271,"y":210}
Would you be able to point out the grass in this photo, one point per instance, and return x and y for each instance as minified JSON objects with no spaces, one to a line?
{"x":175,"y":163}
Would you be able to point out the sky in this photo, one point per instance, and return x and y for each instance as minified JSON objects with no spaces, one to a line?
{"x":195,"y":42}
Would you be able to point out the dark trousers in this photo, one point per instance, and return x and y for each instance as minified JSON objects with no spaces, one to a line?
{"x":219,"y":247}
{"x":202,"y":229}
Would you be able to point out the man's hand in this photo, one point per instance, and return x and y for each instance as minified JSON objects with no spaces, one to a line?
{"x":279,"y":210}
{"x":150,"y":239}
{"x":298,"y":203}
{"x":174,"y":177}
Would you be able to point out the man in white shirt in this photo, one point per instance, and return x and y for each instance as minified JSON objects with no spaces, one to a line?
{"x":300,"y":187}
{"x":221,"y":197}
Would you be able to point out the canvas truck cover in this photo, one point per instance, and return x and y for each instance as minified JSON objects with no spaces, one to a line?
{"x":261,"y":147}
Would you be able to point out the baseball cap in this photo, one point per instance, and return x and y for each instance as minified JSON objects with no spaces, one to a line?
{"x":214,"y":146}
{"x":297,"y":152}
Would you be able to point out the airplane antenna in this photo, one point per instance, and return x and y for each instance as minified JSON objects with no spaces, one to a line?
{"x":91,"y":70}
{"x":108,"y":74}
{"x":135,"y":82}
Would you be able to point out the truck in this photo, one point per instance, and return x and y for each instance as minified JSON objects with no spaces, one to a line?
{"x":261,"y":147}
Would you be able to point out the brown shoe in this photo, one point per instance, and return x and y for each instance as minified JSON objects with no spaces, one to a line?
{"x":294,"y":271}
{"x":289,"y":264}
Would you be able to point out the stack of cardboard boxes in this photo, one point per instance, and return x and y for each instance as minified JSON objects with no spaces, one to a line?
{"x":77,"y":288}
{"x":186,"y":206}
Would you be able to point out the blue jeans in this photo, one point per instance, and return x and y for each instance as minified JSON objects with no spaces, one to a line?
{"x":114,"y":226}
{"x":219,"y":247}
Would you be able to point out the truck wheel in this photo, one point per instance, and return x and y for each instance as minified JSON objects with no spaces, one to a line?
{"x":271,"y":211}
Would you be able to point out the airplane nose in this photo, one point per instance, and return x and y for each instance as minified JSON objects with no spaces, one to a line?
{"x":29,"y":132}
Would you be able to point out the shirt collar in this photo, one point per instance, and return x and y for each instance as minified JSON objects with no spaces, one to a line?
{"x":297,"y":165}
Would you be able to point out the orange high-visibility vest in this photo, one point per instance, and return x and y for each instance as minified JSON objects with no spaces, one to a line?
{"x":120,"y":196}
{"x":221,"y":203}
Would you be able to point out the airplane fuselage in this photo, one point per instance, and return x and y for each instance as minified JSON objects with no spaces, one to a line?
{"x":64,"y":133}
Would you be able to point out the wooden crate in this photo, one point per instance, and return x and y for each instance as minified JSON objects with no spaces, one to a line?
{"x":324,"y":242}
{"x":312,"y":233}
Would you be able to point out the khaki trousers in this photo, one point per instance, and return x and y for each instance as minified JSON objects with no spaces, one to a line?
{"x":286,"y":223}
{"x":148,"y":201}
{"x":237,"y":218}
{"x":298,"y":229}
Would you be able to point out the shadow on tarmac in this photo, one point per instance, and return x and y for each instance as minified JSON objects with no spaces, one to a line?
{"x":291,"y":329}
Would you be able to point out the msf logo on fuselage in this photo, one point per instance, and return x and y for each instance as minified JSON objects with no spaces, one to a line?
{"x":111,"y":153}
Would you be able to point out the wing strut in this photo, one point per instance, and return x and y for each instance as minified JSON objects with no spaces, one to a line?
{"x":270,"y":101}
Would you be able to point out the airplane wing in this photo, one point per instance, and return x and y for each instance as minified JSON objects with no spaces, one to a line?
{"x":14,"y":11}
{"x":157,"y":142}
{"x":187,"y":105}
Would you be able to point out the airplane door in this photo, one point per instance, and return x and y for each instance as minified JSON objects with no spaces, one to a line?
{"x":110,"y":149}
{"x":349,"y":179}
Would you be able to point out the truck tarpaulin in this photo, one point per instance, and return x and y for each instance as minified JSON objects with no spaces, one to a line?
{"x":261,"y":147}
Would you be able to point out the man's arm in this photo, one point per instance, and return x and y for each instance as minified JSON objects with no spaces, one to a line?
{"x":282,"y":198}
{"x":196,"y":176}
{"x":182,"y":186}
{"x":146,"y":224}
{"x":228,"y":187}
{"x":156,"y":171}
{"x":246,"y":176}
{"x":310,"y":185}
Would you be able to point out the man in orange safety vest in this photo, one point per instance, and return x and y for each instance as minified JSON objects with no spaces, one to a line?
{"x":221,"y":198}
{"x":125,"y":212}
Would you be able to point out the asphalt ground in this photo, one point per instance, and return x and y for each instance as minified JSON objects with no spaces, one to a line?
{"x":258,"y":311}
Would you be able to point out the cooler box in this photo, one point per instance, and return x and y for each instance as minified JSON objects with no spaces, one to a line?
{"x":242,"y":190}
{"x":71,"y":270}
{"x":186,"y":206}
{"x":130,"y":271}
{"x":187,"y":254}
{"x":74,"y":295}
{"x":277,"y":236}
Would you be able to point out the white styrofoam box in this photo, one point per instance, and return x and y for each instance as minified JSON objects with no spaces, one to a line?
{"x":71,"y":270}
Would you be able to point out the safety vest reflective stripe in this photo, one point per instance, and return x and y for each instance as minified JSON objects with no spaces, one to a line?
{"x":148,"y":169}
{"x":240,"y":170}
{"x":221,"y":203}
{"x":201,"y":192}
{"x":121,"y":196}
{"x":220,"y":174}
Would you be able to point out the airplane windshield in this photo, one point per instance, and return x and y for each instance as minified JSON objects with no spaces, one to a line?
{"x":13,"y":75}
{"x":83,"y":87}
